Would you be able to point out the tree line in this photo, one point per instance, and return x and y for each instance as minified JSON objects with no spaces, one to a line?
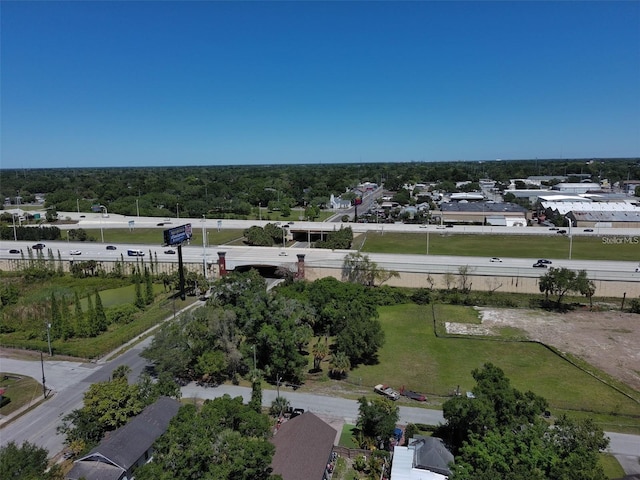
{"x":241,"y":190}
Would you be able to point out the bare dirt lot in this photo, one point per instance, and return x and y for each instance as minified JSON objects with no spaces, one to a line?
{"x":608,"y":340}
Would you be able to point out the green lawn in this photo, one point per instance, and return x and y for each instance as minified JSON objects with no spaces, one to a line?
{"x":20,"y":389}
{"x":155,"y":236}
{"x":524,"y":246}
{"x":414,"y":357}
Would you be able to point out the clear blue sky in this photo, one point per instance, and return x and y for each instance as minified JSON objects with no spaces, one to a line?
{"x":219,"y":83}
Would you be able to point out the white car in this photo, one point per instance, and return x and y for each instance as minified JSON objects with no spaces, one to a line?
{"x":495,"y":259}
{"x":75,"y":252}
{"x":388,"y":392}
{"x":283,"y":253}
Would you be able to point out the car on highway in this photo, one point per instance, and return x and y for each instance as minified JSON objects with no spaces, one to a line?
{"x":283,"y":253}
{"x":588,"y":230}
{"x":13,"y":250}
{"x":75,"y":252}
{"x":38,"y":246}
{"x":423,"y":225}
{"x":540,"y":265}
{"x":111,"y":247}
{"x":171,"y":251}
{"x":386,"y":391}
{"x":561,"y":232}
{"x":545,"y":261}
{"x":554,"y":228}
{"x":495,"y":259}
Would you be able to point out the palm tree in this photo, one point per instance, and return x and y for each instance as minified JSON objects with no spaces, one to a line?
{"x":278,"y":406}
{"x":320,"y":352}
{"x":340,"y":365}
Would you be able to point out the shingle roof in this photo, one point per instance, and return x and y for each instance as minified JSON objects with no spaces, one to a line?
{"x":121,"y":449}
{"x":303,"y":446}
{"x":431,"y":454}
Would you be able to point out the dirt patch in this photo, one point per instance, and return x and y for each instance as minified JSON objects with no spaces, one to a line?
{"x":608,"y":340}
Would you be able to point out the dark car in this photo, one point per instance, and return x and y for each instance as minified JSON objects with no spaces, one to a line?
{"x":553,"y":228}
{"x":561,"y":232}
{"x":540,"y":265}
{"x":38,"y":246}
{"x":170,"y":252}
{"x":111,"y":247}
{"x":13,"y":250}
{"x":588,"y":229}
{"x":413,"y":395}
{"x":545,"y":261}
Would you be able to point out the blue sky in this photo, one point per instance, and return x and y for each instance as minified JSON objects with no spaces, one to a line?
{"x":219,"y":83}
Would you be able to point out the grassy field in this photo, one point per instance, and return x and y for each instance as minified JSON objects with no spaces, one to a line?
{"x":21,"y":390}
{"x":154,"y":236}
{"x":414,"y":357}
{"x":524,"y":246}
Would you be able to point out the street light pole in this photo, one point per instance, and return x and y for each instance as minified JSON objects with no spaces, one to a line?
{"x":177,"y":211}
{"x":570,"y":236}
{"x":49,"y":339}
{"x":204,"y":246}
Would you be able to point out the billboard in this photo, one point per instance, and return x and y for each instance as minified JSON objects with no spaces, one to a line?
{"x":177,"y":235}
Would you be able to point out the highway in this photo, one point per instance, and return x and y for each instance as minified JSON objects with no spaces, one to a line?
{"x":606,"y":270}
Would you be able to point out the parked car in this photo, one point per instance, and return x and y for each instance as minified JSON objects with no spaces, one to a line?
{"x":495,"y":259}
{"x":413,"y":395}
{"x":75,"y":252}
{"x":170,"y":251}
{"x":540,"y":265}
{"x":38,"y":246}
{"x":111,"y":247}
{"x":388,"y":392}
{"x":13,"y":250}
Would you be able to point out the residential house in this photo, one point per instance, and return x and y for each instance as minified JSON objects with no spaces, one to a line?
{"x":424,"y":458}
{"x":303,"y":448}
{"x":130,"y":446}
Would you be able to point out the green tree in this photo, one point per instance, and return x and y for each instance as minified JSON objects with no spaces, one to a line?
{"x":377,"y":419}
{"x":320,"y":352}
{"x":360,"y":339}
{"x":66,"y":324}
{"x":226,"y":440}
{"x":496,"y":406}
{"x":92,"y":319}
{"x":56,"y":324}
{"x":81,"y":324}
{"x":101,"y":317}
{"x":340,"y":365}
{"x":148,"y":281}
{"x":359,"y":268}
{"x":107,"y":406}
{"x":139,"y":302}
{"x":26,"y":462}
{"x":560,"y":281}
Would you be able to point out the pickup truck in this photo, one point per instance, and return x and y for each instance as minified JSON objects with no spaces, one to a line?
{"x":388,"y":392}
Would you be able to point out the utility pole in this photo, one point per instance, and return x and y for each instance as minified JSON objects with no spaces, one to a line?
{"x":44,"y":388}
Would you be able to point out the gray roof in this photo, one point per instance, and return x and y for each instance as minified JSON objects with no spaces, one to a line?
{"x":121,"y":449}
{"x":486,"y":207}
{"x":303,"y":446}
{"x":95,"y":470}
{"x":431,"y":454}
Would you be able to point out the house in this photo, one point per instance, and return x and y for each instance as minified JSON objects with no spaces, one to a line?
{"x":303,"y":448}
{"x":424,"y":458}
{"x":128,"y":447}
